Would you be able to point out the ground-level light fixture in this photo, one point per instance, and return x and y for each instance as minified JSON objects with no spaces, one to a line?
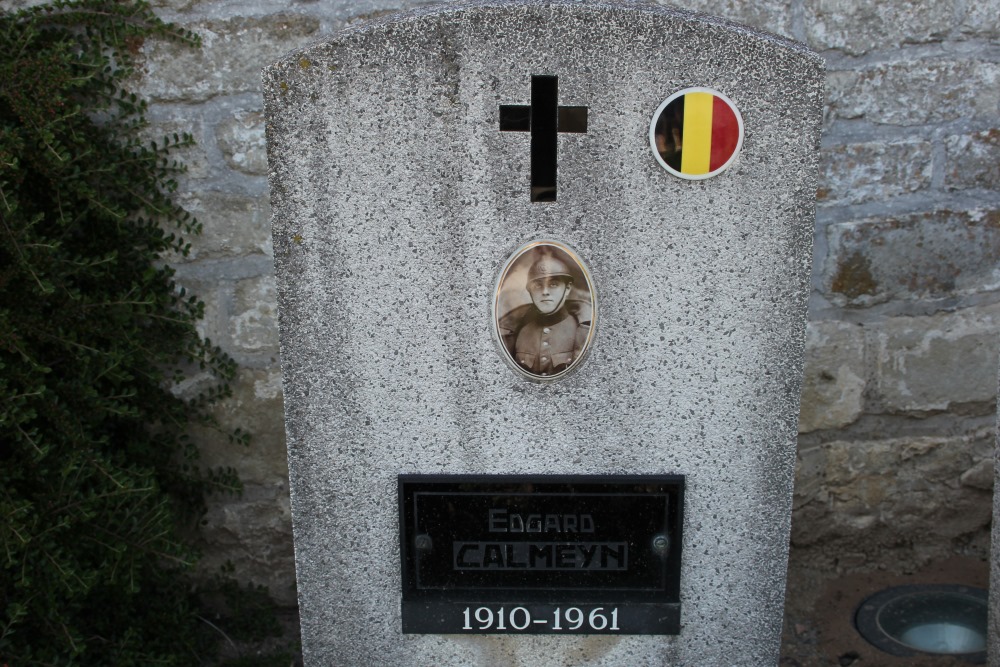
{"x":916,"y":620}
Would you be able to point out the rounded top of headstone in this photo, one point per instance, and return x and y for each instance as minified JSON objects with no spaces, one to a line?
{"x":609,"y":12}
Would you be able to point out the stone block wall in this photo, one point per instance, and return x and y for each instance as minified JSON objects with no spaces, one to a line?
{"x":896,"y":438}
{"x":902,"y":346}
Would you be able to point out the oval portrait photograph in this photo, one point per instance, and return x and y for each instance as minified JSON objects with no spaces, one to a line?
{"x":544,"y":310}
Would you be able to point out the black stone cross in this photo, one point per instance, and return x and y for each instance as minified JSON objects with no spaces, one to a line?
{"x":544,"y":119}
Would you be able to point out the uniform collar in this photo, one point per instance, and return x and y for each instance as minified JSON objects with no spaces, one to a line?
{"x":553,"y":318}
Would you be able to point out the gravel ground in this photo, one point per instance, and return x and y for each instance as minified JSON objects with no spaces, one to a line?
{"x":819,"y":615}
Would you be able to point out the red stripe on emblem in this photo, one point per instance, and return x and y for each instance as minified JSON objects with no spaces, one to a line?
{"x":725,"y":133}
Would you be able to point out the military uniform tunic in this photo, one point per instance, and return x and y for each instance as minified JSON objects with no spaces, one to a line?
{"x":548,"y":344}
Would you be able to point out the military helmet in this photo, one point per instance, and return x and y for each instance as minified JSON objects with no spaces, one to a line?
{"x":548,"y":266}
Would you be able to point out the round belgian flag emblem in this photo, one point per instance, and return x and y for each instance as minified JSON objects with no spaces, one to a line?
{"x":696,"y":133}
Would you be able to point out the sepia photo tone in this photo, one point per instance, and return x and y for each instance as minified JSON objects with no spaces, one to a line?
{"x":544,"y":310}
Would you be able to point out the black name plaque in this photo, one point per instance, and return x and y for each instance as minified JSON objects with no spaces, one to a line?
{"x":541,"y":554}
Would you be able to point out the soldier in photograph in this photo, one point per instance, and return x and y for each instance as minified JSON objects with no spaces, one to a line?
{"x":547,"y":335}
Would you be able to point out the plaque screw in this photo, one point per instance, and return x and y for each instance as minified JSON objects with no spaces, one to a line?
{"x":422,"y":542}
{"x":661,"y":543}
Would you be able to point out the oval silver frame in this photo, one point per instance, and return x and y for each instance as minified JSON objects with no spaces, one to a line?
{"x":656,"y":117}
{"x":520,"y":261}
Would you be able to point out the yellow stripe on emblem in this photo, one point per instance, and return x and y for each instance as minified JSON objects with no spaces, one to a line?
{"x":696,"y":150}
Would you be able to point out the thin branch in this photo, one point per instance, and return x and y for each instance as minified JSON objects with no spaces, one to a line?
{"x":217,"y":629}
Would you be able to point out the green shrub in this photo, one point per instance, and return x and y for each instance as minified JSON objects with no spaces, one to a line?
{"x":98,"y":482}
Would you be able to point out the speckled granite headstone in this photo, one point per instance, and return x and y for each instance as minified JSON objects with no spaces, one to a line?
{"x":993,"y":625}
{"x":411,"y":159}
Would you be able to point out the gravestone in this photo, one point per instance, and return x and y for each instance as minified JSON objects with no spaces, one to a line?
{"x":542,"y":276}
{"x":993,"y":624}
